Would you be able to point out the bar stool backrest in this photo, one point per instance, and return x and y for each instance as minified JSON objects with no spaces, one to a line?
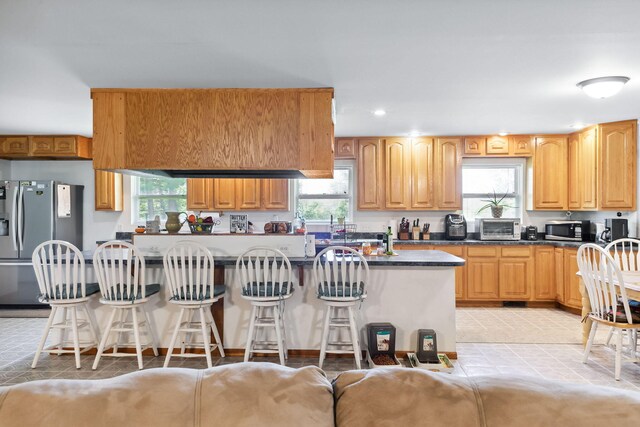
{"x":340,"y":271}
{"x":188,"y":267}
{"x":59,"y":268}
{"x":604,"y":283}
{"x":120,"y":269}
{"x":626,"y":253}
{"x":264,"y":272}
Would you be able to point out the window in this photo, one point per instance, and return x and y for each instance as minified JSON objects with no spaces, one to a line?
{"x":154,"y":196}
{"x":481,"y":177}
{"x":318,"y":199}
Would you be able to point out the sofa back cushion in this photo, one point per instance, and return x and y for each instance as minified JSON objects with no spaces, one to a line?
{"x":243,"y":394}
{"x":394,"y":396}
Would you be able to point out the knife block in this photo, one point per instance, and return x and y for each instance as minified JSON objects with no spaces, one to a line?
{"x":415,"y":231}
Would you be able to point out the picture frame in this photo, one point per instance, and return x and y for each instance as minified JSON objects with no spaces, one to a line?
{"x":238,"y":223}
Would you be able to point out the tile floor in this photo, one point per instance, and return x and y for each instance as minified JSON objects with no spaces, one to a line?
{"x":505,"y":341}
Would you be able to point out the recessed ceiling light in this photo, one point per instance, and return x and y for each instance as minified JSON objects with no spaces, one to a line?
{"x":603,"y":87}
{"x":503,"y":133}
{"x":578,"y":126}
{"x":379,"y":113}
{"x":414,"y":133}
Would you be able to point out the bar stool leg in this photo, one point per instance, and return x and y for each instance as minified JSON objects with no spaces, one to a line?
{"x":174,"y":338}
{"x":105,"y":337}
{"x":216,"y":334}
{"x":187,"y":335}
{"x":252,"y":323}
{"x":136,"y":335}
{"x":152,"y":334}
{"x":63,"y":330}
{"x":325,"y":336}
{"x":43,"y":340}
{"x":76,"y":337}
{"x":354,"y":338}
{"x":284,"y":334}
{"x":92,"y":325}
{"x":205,"y":337}
{"x":276,"y":315}
{"x":122,"y":318}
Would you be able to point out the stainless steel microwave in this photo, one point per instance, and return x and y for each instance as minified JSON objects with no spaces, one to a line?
{"x":573,"y":231}
{"x":498,"y":228}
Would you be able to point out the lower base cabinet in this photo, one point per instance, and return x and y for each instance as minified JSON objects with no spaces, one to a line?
{"x":572,"y":297}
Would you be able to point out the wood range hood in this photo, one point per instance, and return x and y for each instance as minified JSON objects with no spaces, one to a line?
{"x":222,"y":133}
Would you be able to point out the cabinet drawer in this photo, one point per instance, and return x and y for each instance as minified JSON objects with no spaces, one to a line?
{"x":41,"y":145}
{"x":453,"y":250}
{"x":516,"y":252}
{"x":497,"y":145}
{"x":64,"y":145}
{"x":482,"y":251}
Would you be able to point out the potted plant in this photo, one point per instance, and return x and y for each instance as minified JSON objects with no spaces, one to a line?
{"x":496,"y":205}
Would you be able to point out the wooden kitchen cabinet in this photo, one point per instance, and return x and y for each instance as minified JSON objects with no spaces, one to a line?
{"x":41,"y":146}
{"x":14,"y":146}
{"x":224,"y":193}
{"x":345,"y":148}
{"x":474,"y":145}
{"x":200,"y":194}
{"x":544,"y":288}
{"x":422,"y":194}
{"x":397,"y":175}
{"x":574,"y":189}
{"x":248,"y":194}
{"x":461,"y":272}
{"x":483,"y":273}
{"x":275,"y":194}
{"x":497,"y":145}
{"x":370,"y":174}
{"x":550,"y":175}
{"x":516,"y":272}
{"x":108,"y":189}
{"x":521,"y":145}
{"x":617,"y":173}
{"x":583,"y":167}
{"x":572,"y":297}
{"x":448,"y":173}
{"x":60,"y":146}
{"x":558,"y":254}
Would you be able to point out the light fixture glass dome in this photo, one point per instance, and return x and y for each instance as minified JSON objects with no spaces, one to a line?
{"x":603,"y":87}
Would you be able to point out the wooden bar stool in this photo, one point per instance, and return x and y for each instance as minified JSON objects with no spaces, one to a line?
{"x":120,"y":268}
{"x":188,"y":267}
{"x":59,"y":269}
{"x":266,"y":279}
{"x":340,"y":274}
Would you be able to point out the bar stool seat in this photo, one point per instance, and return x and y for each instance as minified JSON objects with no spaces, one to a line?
{"x":340,"y":275}
{"x":189,"y":270}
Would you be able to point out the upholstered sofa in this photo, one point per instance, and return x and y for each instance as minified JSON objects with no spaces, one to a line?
{"x":263,"y":394}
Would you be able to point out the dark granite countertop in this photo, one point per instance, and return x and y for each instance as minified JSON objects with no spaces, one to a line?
{"x":492,"y":242}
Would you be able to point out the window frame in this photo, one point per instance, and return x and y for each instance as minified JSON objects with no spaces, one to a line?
{"x":136,"y":197}
{"x":518,"y":164}
{"x":349,"y":196}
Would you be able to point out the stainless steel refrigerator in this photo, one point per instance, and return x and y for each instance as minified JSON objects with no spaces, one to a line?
{"x":32,"y":212}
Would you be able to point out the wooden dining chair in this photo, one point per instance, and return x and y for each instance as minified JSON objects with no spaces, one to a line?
{"x":605,"y":286}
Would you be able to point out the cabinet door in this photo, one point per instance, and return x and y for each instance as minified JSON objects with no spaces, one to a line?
{"x":545,"y":274}
{"x":572,"y":297}
{"x":498,"y":145}
{"x":550,"y":174}
{"x":248,"y":194}
{"x":108,"y":191}
{"x":617,"y":173}
{"x":448,"y":173}
{"x":224,"y":193}
{"x":64,"y":145}
{"x":516,"y":278}
{"x":558,"y":253}
{"x":370,"y":174}
{"x":41,"y":146}
{"x":345,"y":148}
{"x":575,"y":185}
{"x":275,"y":194}
{"x":474,"y":145}
{"x":483,"y":277}
{"x":16,"y":145}
{"x":588,"y":168}
{"x":422,"y":174}
{"x":521,"y":145}
{"x":200,"y":194}
{"x":461,"y":272}
{"x":397,"y":173}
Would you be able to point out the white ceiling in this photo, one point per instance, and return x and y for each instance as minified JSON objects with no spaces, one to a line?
{"x":439,"y":67}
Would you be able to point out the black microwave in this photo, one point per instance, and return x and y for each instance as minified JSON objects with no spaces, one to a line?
{"x":573,"y":231}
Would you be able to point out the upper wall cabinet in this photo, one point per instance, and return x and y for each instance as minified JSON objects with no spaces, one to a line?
{"x":345,"y":148}
{"x":498,"y":146}
{"x":583,"y":170}
{"x":370,"y":174}
{"x":108,"y":191}
{"x":448,"y":173}
{"x":397,"y":176}
{"x":64,"y":147}
{"x":208,"y":194}
{"x":283,"y":130}
{"x":550,"y":179}
{"x":617,"y":173}
{"x":475,"y":145}
{"x":521,"y":145}
{"x":422,"y":188}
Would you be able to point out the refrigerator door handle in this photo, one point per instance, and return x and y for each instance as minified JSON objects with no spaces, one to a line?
{"x":12,"y":225}
{"x":20,"y":221}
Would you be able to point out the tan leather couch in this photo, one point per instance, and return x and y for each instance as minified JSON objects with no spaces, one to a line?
{"x":264,"y":394}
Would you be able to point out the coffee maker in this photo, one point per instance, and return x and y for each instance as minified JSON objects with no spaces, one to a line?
{"x":615,"y":228}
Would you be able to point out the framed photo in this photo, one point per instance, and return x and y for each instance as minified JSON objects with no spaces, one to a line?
{"x":238,"y":223}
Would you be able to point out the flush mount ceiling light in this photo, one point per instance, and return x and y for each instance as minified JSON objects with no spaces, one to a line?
{"x":503,"y":133}
{"x":603,"y":87}
{"x":379,"y":113}
{"x":578,"y":126}
{"x":414,"y":133}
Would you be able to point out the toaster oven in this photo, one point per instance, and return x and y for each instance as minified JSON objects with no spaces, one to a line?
{"x":498,"y":228}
